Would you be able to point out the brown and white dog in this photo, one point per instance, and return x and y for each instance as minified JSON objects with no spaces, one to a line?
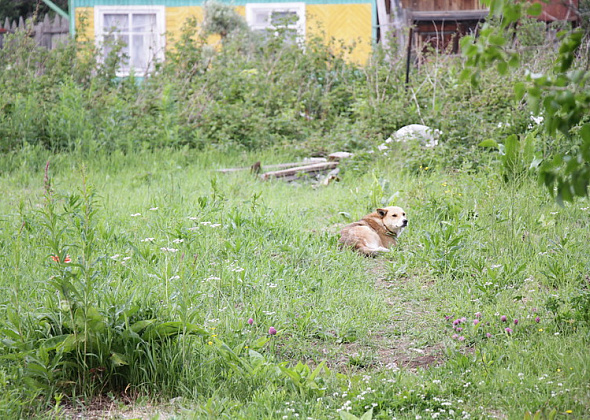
{"x":376,"y":232}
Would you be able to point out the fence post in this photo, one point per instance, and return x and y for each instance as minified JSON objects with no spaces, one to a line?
{"x":48,"y":33}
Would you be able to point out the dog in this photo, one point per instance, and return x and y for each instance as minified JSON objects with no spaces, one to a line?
{"x":376,"y":232}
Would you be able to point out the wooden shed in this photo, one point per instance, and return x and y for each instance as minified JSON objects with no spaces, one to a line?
{"x":559,"y":10}
{"x":439,"y":24}
{"x":150,"y":26}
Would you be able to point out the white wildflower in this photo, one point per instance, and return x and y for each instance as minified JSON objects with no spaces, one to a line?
{"x":168,"y":249}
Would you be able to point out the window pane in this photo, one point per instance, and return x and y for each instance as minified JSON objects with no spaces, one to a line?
{"x":143,"y":23}
{"x":124,"y":40}
{"x":261,"y":17}
{"x":108,"y":43}
{"x":120,"y":41}
{"x":140,"y":52}
{"x":116,"y":22}
{"x":284,"y":18}
{"x":134,"y":34}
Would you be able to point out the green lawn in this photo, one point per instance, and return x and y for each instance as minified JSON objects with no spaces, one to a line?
{"x":170,"y":259}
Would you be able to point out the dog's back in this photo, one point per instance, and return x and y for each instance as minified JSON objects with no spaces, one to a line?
{"x":375,"y":232}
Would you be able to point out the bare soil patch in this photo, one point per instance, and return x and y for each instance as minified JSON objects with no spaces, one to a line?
{"x":400,"y":343}
{"x":106,"y":408}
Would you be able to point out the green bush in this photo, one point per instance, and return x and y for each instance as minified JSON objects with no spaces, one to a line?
{"x":254,"y":91}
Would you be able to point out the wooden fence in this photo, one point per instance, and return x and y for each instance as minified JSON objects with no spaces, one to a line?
{"x":48,"y":33}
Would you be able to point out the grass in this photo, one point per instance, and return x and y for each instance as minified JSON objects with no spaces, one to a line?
{"x":163,"y":238}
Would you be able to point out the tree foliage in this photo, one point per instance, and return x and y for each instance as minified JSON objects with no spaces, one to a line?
{"x":15,"y":9}
{"x":560,"y":94}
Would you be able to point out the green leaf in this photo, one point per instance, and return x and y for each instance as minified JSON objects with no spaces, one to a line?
{"x":172,"y":328}
{"x":535,"y":9}
{"x":498,"y":40}
{"x":585,"y":150}
{"x":502,"y":67}
{"x":65,"y":343}
{"x":519,"y":90}
{"x":564,"y":192}
{"x":90,"y":319}
{"x":580,"y":182}
{"x":54,"y":342}
{"x":489,"y":143}
{"x":345,"y":415}
{"x":511,"y":143}
{"x":585,"y":132}
{"x":119,"y":359}
{"x":291,"y":373}
{"x":465,"y":43}
{"x":512,"y":12}
{"x":368,"y":415}
{"x":258,"y":344}
{"x":514,"y":60}
{"x":11,"y":333}
{"x":255,"y":355}
{"x":141,"y":325}
{"x":536,"y":163}
{"x":465,"y":74}
{"x":317,"y":371}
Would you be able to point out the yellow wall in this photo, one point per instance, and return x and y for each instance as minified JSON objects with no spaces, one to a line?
{"x":348,"y":22}
{"x":351,"y":23}
{"x":85,"y":23}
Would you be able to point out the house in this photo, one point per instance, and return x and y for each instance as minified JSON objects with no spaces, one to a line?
{"x":439,"y":24}
{"x":148,"y":27}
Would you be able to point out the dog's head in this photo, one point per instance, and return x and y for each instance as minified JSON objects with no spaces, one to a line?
{"x":394,"y":219}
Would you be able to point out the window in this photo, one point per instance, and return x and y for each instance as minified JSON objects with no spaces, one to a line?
{"x":140,"y":32}
{"x":264,"y":16}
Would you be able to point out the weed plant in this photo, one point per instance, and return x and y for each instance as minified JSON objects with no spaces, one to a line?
{"x":228,"y":295}
{"x":133,"y":271}
{"x":250,"y":92}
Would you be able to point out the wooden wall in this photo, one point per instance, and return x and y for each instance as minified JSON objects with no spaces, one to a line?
{"x":351,"y":23}
{"x":431,"y":5}
{"x":48,"y":32}
{"x":559,"y":10}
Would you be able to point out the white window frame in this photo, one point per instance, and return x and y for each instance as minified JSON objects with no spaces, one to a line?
{"x":255,"y":8}
{"x":160,"y":39}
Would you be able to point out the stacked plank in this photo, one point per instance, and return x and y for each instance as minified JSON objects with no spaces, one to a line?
{"x":294,"y":170}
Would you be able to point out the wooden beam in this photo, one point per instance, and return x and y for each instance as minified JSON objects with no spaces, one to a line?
{"x":277,"y":166}
{"x":306,"y":169}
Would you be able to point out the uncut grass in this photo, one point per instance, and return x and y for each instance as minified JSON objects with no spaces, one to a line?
{"x":474,"y":245}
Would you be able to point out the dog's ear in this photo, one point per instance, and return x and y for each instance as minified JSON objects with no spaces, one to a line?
{"x":382,"y":212}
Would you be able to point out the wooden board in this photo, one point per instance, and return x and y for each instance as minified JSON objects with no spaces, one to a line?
{"x":307,"y":169}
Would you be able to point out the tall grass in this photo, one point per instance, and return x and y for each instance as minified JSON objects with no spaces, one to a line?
{"x":191,"y":255}
{"x":251,"y":94}
{"x":133,"y":271}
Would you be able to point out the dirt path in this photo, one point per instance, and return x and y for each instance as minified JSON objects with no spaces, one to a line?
{"x":408,"y":339}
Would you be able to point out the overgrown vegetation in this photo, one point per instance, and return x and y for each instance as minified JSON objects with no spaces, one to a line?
{"x":134,"y":273}
{"x":255,"y":92}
